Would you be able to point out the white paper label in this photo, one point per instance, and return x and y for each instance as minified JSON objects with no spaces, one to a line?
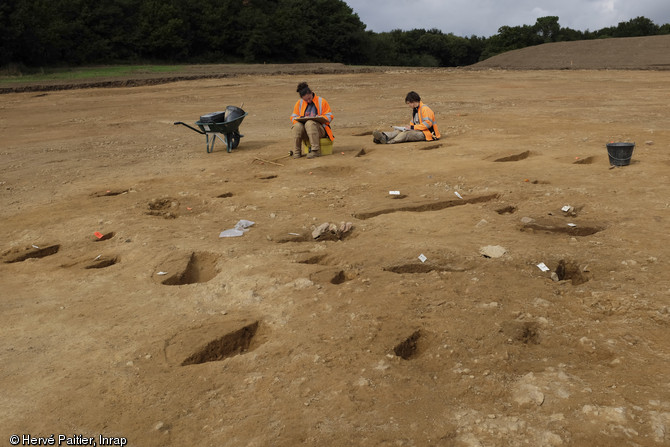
{"x":543,"y":267}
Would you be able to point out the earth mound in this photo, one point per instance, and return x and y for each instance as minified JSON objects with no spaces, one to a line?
{"x":628,"y":53}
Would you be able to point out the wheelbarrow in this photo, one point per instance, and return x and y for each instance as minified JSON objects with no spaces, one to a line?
{"x":213,"y":125}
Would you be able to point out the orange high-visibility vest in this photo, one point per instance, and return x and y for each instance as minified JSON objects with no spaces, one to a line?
{"x":322,"y":109}
{"x":427,"y":122}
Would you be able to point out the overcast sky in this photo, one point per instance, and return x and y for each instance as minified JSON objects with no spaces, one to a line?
{"x":483,"y":17}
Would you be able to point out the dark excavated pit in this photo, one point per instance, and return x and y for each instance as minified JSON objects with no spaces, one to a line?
{"x":432,"y":206}
{"x":225,"y":195}
{"x":422,"y":268}
{"x":231,"y":344}
{"x":570,"y":271}
{"x":507,"y":210}
{"x":408,"y":348}
{"x":110,"y":193}
{"x":102,"y":262}
{"x":318,"y":259}
{"x":429,"y":147}
{"x":332,"y":276}
{"x":165,"y":207}
{"x":295,"y":238}
{"x":105,"y":237}
{"x":516,"y":157}
{"x":341,"y":277}
{"x":525,"y":332}
{"x":31,"y":252}
{"x":562,"y":228}
{"x":200,"y":268}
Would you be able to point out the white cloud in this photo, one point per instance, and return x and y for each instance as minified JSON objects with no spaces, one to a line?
{"x":485,"y":17}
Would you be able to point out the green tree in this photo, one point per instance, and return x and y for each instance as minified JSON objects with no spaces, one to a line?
{"x":330,"y":30}
{"x":9,"y":33}
{"x":33,"y":38}
{"x":88,"y":32}
{"x":161,"y":31}
{"x":278,"y":35}
{"x":547,"y":28}
{"x":381,"y":50}
{"x":639,"y":26}
{"x":38,"y":33}
{"x":461,"y":52}
{"x":567,"y":34}
{"x":434,"y":44}
{"x":510,"y":38}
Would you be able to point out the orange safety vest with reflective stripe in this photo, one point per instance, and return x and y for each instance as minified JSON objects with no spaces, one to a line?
{"x":427,"y":123}
{"x":322,"y":109}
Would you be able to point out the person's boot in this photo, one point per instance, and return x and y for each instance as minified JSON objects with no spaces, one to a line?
{"x":379,"y":137}
{"x":314,"y":153}
{"x":297,"y":153}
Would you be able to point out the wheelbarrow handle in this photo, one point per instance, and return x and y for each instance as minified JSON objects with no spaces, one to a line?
{"x":190,"y":127}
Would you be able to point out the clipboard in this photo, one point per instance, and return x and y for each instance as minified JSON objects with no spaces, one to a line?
{"x":320,"y":119}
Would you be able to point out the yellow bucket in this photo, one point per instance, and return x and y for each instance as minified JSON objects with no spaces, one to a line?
{"x":326,"y":146}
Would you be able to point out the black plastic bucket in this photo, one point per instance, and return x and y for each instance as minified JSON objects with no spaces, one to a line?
{"x":232,"y":113}
{"x":620,"y":153}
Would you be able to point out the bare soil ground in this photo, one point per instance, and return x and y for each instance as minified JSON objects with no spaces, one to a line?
{"x":159,"y":331}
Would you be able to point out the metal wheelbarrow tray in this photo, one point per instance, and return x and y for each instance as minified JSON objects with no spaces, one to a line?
{"x":212,"y":131}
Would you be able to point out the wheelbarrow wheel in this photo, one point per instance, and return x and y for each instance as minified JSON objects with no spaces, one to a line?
{"x":232,"y":140}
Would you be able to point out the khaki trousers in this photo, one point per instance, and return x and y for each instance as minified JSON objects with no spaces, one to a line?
{"x":310,"y":131}
{"x":398,"y":136}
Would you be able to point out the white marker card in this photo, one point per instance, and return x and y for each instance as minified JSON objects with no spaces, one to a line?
{"x":543,"y":267}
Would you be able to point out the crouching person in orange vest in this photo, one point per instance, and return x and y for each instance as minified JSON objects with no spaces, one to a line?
{"x":423,"y":126}
{"x":311,"y":121}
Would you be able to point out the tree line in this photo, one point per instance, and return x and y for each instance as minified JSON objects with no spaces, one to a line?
{"x":41,"y":33}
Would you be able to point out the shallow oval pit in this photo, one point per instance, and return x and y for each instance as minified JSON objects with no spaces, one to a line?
{"x":197,"y":268}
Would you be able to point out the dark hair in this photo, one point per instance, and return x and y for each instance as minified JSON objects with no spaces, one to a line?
{"x":303,"y":89}
{"x":412,"y":97}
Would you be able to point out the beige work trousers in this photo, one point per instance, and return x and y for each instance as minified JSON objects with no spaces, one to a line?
{"x":398,"y":136}
{"x":310,"y":131}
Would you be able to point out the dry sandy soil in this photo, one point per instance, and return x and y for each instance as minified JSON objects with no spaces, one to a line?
{"x":165,"y":334}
